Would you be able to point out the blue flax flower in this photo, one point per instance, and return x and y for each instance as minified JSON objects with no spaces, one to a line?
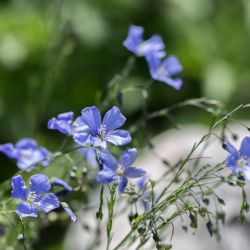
{"x":134,"y":42}
{"x":104,"y":131}
{"x":239,"y":162}
{"x":119,"y":171}
{"x":66,"y":124}
{"x":165,"y":70}
{"x":35,"y":197}
{"x":27,"y":153}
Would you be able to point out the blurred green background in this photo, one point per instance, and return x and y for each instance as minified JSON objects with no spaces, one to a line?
{"x":57,"y":56}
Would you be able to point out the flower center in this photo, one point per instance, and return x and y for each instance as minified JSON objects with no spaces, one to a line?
{"x":241,"y":163}
{"x":161,"y":72}
{"x":31,"y":198}
{"x":120,"y":171}
{"x":102,"y":131}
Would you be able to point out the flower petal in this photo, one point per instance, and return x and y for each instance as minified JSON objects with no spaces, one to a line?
{"x":62,"y":126}
{"x":123,"y":182}
{"x":106,"y":176}
{"x":91,"y":116}
{"x":47,"y":202}
{"x":232,"y":150}
{"x":175,"y":83}
{"x":152,"y":45}
{"x":26,"y":143}
{"x":128,"y":157}
{"x":82,"y":138}
{"x":70,"y":213}
{"x":90,"y":156}
{"x":108,"y":160}
{"x":172,"y":65}
{"x":154,"y":63}
{"x":231,"y":162}
{"x":9,"y":150}
{"x":134,"y":38}
{"x":39,"y":183}
{"x":119,"y":137}
{"x":113,"y":119}
{"x":67,"y":116}
{"x":25,"y":209}
{"x":141,"y":183}
{"x":134,"y":172}
{"x":79,"y":126}
{"x":245,"y":147}
{"x":59,"y":182}
{"x":62,"y":122}
{"x":19,"y":189}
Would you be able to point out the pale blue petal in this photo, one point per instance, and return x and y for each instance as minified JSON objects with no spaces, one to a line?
{"x":9,"y":150}
{"x":134,"y":172}
{"x":134,"y":38}
{"x":79,"y":126}
{"x":175,"y":83}
{"x":67,"y":116}
{"x":25,"y":209}
{"x":39,"y":183}
{"x":82,"y":138}
{"x":128,"y":157}
{"x":119,"y":137}
{"x":47,"y":202}
{"x":113,"y":119}
{"x":59,"y":182}
{"x":245,"y":147}
{"x":70,"y":213}
{"x":123,"y":182}
{"x":91,"y":158}
{"x":154,"y":63}
{"x":231,"y":162}
{"x":106,"y":176}
{"x":26,"y":143}
{"x":232,"y":150}
{"x":92,"y":118}
{"x":153,"y":44}
{"x":98,"y":142}
{"x":108,"y":160}
{"x":19,"y":189}
{"x":172,"y":65}
{"x":141,"y":183}
{"x":62,"y":126}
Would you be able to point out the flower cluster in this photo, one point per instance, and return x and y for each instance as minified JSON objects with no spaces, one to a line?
{"x":27,"y":153}
{"x":160,"y":68}
{"x":94,"y":135}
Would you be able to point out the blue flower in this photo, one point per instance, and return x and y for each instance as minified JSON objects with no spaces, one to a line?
{"x":35,"y":197}
{"x":165,"y":70}
{"x":239,"y":162}
{"x":104,"y":131}
{"x":65,"y":124}
{"x":134,"y":42}
{"x":27,"y":153}
{"x":119,"y":171}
